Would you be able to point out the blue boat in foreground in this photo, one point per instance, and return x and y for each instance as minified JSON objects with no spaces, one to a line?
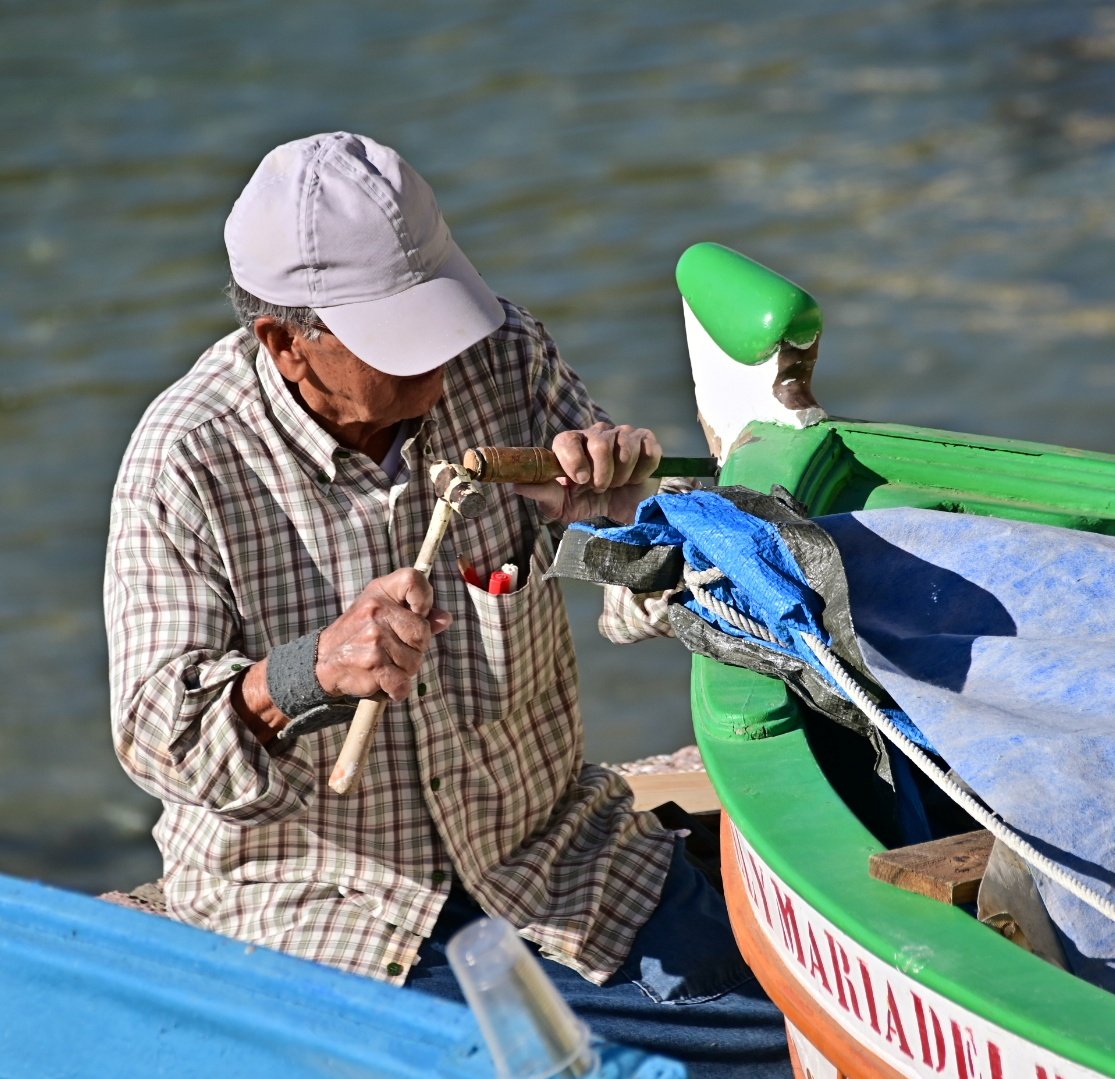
{"x":91,"y":988}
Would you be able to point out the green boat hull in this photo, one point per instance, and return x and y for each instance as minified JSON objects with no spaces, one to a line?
{"x":802,"y":852}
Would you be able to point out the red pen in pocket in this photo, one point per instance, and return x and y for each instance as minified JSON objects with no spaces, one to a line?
{"x":468,"y":572}
{"x":499,"y":584}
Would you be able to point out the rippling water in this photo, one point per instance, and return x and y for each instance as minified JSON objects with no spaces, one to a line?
{"x":939,"y":174}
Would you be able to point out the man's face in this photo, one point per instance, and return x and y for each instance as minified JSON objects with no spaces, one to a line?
{"x":344,"y":390}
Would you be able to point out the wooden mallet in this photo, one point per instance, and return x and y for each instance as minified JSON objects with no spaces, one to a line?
{"x":457,"y":492}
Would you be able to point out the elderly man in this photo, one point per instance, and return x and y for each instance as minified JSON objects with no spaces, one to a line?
{"x":265,"y":513}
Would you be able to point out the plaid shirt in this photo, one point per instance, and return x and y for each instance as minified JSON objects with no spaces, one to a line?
{"x":239,"y":524}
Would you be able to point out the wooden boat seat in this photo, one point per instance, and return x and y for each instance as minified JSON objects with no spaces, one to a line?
{"x":948,"y":869}
{"x":975,"y":868}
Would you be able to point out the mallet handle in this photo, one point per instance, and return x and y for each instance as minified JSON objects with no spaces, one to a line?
{"x":533,"y":464}
{"x":358,"y":742}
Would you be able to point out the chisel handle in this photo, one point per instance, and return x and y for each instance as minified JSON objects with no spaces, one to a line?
{"x":533,"y":464}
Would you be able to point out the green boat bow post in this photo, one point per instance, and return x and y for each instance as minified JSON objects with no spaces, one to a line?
{"x":753,"y":341}
{"x":749,"y":310}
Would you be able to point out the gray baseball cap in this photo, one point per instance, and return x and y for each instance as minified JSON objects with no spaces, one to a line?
{"x":343,"y":225}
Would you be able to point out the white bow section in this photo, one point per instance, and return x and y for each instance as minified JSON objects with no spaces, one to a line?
{"x":730,"y":395}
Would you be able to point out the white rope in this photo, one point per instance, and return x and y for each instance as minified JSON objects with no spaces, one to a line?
{"x":991,"y":821}
{"x":696,"y":580}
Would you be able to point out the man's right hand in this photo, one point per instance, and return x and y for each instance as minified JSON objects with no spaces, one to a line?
{"x":375,"y":646}
{"x":379,"y":642}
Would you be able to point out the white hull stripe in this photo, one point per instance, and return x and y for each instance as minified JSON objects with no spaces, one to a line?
{"x":914,"y":1030}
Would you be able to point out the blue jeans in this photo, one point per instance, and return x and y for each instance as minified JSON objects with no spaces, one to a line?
{"x":684,"y":991}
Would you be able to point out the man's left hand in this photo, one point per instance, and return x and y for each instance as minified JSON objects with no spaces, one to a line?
{"x":607,"y":473}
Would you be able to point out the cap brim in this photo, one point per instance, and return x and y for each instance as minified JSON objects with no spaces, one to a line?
{"x":424,"y":327}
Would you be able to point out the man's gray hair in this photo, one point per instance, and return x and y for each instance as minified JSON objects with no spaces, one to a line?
{"x":248,"y":308}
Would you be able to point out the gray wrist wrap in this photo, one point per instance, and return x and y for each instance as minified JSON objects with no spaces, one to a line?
{"x":296,"y":692}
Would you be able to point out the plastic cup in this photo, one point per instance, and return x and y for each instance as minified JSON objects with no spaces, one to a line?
{"x":530,"y":1031}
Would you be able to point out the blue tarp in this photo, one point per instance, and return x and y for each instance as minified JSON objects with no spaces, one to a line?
{"x":713,"y":532}
{"x":997,"y":639}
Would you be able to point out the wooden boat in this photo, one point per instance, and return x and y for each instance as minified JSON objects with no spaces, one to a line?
{"x":873,"y":980}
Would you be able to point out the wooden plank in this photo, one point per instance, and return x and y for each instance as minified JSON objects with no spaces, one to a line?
{"x":691,"y":790}
{"x":948,"y":869}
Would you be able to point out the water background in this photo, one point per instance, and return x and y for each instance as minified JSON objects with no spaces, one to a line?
{"x":938,"y":174}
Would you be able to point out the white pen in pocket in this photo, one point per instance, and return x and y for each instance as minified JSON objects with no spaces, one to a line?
{"x":512,"y":571}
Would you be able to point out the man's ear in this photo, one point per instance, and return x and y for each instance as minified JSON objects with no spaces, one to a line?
{"x":275,"y":336}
